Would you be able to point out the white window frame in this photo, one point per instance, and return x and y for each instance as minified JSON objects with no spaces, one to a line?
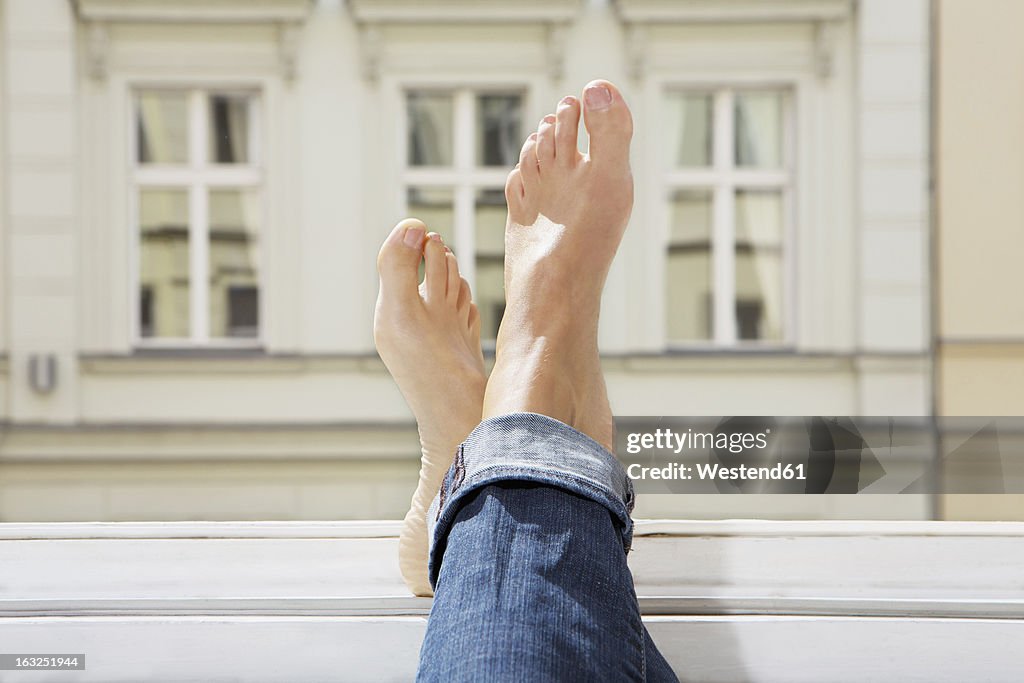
{"x":722,"y":179}
{"x":197,"y":177}
{"x":463,"y":177}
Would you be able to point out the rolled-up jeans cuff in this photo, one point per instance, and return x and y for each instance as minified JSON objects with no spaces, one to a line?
{"x":532,"y":448}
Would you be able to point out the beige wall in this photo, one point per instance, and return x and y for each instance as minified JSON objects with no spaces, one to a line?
{"x":981,"y":169}
{"x":980,"y":148}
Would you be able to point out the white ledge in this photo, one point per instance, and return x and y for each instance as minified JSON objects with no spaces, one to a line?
{"x":951,"y":569}
{"x":733,"y":11}
{"x":463,"y":11}
{"x":194,"y":11}
{"x":391,"y":529}
{"x":724,"y":600}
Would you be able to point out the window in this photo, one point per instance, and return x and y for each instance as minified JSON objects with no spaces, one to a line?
{"x":729,"y":188}
{"x":198,"y":212}
{"x":461,"y":145}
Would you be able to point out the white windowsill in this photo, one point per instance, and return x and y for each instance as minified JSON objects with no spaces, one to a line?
{"x":724,"y":600}
{"x":753,"y":566}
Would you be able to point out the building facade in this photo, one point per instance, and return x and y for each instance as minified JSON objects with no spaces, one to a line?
{"x":193,"y":194}
{"x":979,"y":319}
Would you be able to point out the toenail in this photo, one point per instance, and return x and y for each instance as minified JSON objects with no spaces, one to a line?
{"x":434,"y":236}
{"x":550,"y":118}
{"x":598,"y":97}
{"x":414,"y":237}
{"x":567,"y":101}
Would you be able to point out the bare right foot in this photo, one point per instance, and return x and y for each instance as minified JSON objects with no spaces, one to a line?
{"x":567,"y":214}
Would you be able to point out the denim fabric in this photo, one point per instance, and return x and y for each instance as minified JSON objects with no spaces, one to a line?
{"x":528,"y":561}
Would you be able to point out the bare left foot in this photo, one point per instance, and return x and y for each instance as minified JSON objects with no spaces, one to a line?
{"x":428,"y":336}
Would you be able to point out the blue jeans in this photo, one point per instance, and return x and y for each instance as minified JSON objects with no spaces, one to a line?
{"x":529,"y":535}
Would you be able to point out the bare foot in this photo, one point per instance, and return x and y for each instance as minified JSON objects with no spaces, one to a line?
{"x":428,"y":336}
{"x":567,"y":214}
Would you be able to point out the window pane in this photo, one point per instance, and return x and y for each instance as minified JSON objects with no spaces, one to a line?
{"x":234,"y":264}
{"x":498,"y":129}
{"x":229,"y":129}
{"x":162,"y":127}
{"x":163,"y":263}
{"x":689,"y":266}
{"x":688,"y":129}
{"x":759,"y":222}
{"x":435,"y":207}
{"x":759,"y":129}
{"x":430,"y":128}
{"x":491,"y":212}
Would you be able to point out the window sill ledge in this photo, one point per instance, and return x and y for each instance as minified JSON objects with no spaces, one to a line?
{"x":225,"y":360}
{"x":734,"y":11}
{"x":730,"y":600}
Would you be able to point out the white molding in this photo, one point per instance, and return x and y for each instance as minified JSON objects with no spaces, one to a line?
{"x":98,"y":15}
{"x":640,"y":15}
{"x":824,"y":49}
{"x":733,"y":11}
{"x":463,"y":11}
{"x":372,"y":16}
{"x":194,"y":11}
{"x":97,"y":49}
{"x":386,"y":528}
{"x":128,"y":530}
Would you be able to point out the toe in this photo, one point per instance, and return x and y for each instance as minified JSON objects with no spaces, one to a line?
{"x":609,"y":123}
{"x":567,"y":125}
{"x":515,"y":196}
{"x":546,"y":140}
{"x":528,"y":164}
{"x":436,"y":267}
{"x":514,"y":189}
{"x":454,"y":281}
{"x":473,"y":321}
{"x":398,"y":261}
{"x":465,"y":297}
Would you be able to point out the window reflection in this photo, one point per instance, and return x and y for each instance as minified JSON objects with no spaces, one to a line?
{"x":164,"y":263}
{"x":759,"y":129}
{"x":431,"y":127}
{"x":162,"y":127}
{"x":499,"y":129}
{"x":491,"y":212}
{"x":234,"y":269}
{"x":759,"y":220}
{"x":688,"y":129}
{"x":688,"y":281}
{"x":229,"y":129}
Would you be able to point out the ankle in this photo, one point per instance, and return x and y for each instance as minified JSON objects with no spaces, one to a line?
{"x":532,"y":376}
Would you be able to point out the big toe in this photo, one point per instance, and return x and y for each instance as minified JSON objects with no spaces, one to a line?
{"x":399,"y":258}
{"x":609,"y":123}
